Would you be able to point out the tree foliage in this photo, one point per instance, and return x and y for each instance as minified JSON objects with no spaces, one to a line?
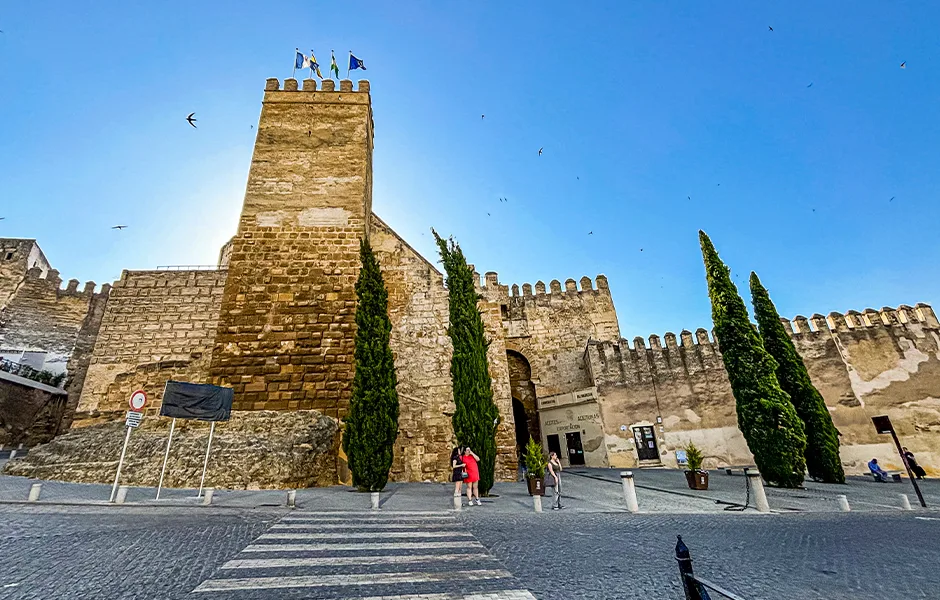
{"x":534,"y":460}
{"x":371,"y":426}
{"x":766,"y":417}
{"x":822,"y":438}
{"x":476,"y":416}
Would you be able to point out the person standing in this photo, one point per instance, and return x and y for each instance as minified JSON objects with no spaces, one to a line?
{"x":470,"y":461}
{"x":459,"y":471}
{"x":553,"y":479}
{"x":916,"y":469}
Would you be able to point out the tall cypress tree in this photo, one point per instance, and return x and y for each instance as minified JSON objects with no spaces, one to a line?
{"x":766,"y":417}
{"x":372,"y":421}
{"x":822,"y":438}
{"x":476,"y":416}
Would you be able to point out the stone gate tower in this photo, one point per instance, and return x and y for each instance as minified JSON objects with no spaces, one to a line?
{"x":285,"y":337}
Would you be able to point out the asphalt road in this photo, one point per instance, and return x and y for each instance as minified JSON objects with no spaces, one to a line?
{"x":136,"y":552}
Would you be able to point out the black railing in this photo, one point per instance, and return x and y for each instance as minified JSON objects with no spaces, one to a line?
{"x":695,"y":587}
{"x":28,"y":372}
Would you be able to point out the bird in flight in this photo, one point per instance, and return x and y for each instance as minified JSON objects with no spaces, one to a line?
{"x":810,"y":85}
{"x":482,"y":117}
{"x":540,"y":151}
{"x":191,"y":120}
{"x":770,"y":28}
{"x":590,"y":233}
{"x":892,"y":198}
{"x":689,"y":197}
{"x":119,"y":227}
{"x":641,"y":249}
{"x":488,"y":214}
{"x":904,"y":65}
{"x":2,"y":218}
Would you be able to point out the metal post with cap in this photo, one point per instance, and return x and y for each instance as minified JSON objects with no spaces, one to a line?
{"x":883,"y":425}
{"x":135,"y":415}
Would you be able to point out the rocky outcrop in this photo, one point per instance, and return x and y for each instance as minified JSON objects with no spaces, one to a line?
{"x":254,"y":450}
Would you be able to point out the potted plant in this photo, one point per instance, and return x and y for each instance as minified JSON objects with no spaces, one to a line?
{"x":535,"y":468}
{"x":695,"y":475}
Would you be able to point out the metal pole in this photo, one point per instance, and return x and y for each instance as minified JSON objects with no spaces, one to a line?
{"x":910,"y":475}
{"x":684,"y":558}
{"x":117,"y":476}
{"x":205,"y":463}
{"x":169,"y":441}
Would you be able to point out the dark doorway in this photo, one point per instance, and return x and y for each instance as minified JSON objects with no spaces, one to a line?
{"x":522,"y":389}
{"x":522,"y":426}
{"x":575,"y":451}
{"x":554,"y":445}
{"x":645,"y":443}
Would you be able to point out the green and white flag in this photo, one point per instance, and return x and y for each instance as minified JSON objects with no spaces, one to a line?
{"x":333,"y":67}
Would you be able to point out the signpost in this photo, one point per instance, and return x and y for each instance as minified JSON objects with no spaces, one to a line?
{"x":137,"y":402}
{"x":883,"y":425}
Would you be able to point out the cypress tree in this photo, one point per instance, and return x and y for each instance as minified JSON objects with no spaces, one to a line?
{"x":476,"y":416}
{"x":371,"y":425}
{"x":766,"y":417}
{"x":822,"y":438}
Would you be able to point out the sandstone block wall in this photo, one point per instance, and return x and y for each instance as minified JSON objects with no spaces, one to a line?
{"x":157,"y":325}
{"x":17,"y":256}
{"x":864,"y":364}
{"x":41,"y":317}
{"x":285,"y":338}
{"x":418,"y":309}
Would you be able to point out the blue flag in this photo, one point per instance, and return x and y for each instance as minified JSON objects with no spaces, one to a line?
{"x":355,"y":63}
{"x":299,"y":60}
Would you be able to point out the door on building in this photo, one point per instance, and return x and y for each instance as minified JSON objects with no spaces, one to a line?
{"x":645,"y":443}
{"x":554,"y":444}
{"x":575,"y":451}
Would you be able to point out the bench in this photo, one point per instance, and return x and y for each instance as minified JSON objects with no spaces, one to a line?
{"x":742,"y":468}
{"x":894,"y":475}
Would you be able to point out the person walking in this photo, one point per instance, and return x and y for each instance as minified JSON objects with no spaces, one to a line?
{"x":470,"y":461}
{"x":459,"y":471}
{"x":553,"y":479}
{"x":916,"y":469}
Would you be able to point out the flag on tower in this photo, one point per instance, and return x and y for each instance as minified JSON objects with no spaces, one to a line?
{"x":314,"y":65}
{"x":355,"y":63}
{"x":333,"y":67}
{"x":299,"y":59}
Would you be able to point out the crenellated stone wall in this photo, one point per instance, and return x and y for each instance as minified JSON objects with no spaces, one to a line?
{"x":157,"y":325}
{"x":864,"y":364}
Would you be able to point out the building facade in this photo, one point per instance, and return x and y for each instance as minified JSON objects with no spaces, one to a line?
{"x":276,"y":322}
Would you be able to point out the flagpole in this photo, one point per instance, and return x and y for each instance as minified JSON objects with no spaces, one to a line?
{"x":348,"y":64}
{"x":294,"y":72}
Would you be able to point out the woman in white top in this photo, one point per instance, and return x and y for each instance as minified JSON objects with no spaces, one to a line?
{"x":553,"y":479}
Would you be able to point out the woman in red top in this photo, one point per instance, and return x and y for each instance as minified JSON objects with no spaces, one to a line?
{"x":473,"y":475}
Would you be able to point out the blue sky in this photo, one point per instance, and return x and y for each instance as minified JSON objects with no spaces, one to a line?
{"x":643,"y":109}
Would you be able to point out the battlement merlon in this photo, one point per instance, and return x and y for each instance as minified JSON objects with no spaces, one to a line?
{"x":53,"y":281}
{"x":493,"y":290}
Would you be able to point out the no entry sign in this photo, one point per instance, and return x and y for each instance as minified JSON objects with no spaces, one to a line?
{"x":138,"y":400}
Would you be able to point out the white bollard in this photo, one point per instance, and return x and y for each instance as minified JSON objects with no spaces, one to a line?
{"x":374,"y":498}
{"x":207,"y":496}
{"x":458,"y":502}
{"x":843,"y":503}
{"x":757,"y":491}
{"x":34,"y":492}
{"x":291,"y":498}
{"x":905,"y":502}
{"x":20,"y":447}
{"x":537,"y":503}
{"x":12,"y":454}
{"x":629,"y":491}
{"x":121,"y":495}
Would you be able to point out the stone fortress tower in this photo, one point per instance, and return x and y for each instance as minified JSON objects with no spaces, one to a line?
{"x":275,"y":320}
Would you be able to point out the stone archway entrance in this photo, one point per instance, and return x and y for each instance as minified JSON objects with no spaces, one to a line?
{"x":523,"y":399}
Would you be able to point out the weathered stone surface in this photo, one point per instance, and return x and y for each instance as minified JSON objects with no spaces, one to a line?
{"x":30,"y":412}
{"x":254,"y":450}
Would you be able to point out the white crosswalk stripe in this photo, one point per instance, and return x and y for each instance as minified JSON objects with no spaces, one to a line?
{"x":365,"y":556}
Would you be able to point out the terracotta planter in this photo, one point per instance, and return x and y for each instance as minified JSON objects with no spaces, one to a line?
{"x":698,"y":480}
{"x":536,"y":486}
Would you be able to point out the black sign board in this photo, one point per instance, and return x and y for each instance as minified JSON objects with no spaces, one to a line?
{"x":882,"y":424}
{"x":204,"y":402}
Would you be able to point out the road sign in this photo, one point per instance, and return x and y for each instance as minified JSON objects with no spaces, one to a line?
{"x":882,"y":424}
{"x":138,"y":400}
{"x":134,"y":418}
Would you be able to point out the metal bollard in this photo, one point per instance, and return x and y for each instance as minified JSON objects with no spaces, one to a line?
{"x":684,"y":558}
{"x":207,"y":496}
{"x":757,"y":491}
{"x":12,"y":454}
{"x":458,"y":502}
{"x":34,"y":492}
{"x":291,"y":498}
{"x":629,"y":491}
{"x":843,"y":503}
{"x":905,"y":502}
{"x":537,"y":503}
{"x":121,"y":495}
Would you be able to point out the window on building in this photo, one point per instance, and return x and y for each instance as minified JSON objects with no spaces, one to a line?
{"x":504,"y":310}
{"x":9,"y":255}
